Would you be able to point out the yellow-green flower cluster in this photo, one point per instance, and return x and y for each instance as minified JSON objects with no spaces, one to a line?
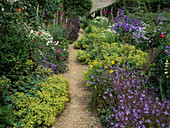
{"x":43,"y":105}
{"x":5,"y":82}
{"x":30,"y":64}
{"x":120,"y":53}
{"x":44,"y":71}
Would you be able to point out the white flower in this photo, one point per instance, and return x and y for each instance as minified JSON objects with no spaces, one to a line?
{"x":51,"y":38}
{"x":56,"y":43}
{"x":40,"y":52}
{"x":32,"y":31}
{"x":2,"y":9}
{"x":93,"y":15}
{"x":48,"y":42}
{"x":53,"y":48}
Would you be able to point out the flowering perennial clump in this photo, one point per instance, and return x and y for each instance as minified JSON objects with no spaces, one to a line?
{"x":125,"y":24}
{"x":127,"y":103}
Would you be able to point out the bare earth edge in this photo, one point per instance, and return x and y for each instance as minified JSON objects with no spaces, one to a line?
{"x":76,"y":114}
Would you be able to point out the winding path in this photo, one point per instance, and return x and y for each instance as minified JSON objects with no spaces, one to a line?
{"x":76,"y":114}
{"x":98,"y":4}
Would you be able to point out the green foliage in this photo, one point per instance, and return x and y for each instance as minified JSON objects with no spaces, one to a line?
{"x":159,"y":77}
{"x":101,"y":21}
{"x":95,"y":34}
{"x":150,"y":19}
{"x":50,"y":7}
{"x":156,"y":4}
{"x":84,"y":22}
{"x":40,"y":106}
{"x":30,"y":7}
{"x":6,"y":118}
{"x":16,"y":46}
{"x":60,"y":31}
{"x":121,"y":53}
{"x":81,"y":7}
{"x":135,"y":5}
{"x":6,"y":111}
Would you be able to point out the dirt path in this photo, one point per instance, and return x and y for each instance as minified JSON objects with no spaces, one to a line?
{"x":76,"y":114}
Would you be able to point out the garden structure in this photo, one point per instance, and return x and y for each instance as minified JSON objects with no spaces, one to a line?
{"x":70,"y":64}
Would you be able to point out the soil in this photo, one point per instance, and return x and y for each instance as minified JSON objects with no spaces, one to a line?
{"x":76,"y":114}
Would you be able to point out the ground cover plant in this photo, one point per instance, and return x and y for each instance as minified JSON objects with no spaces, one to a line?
{"x":121,"y":99}
{"x":40,"y":106}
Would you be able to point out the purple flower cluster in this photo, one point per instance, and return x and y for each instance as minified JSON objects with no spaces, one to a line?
{"x":167,"y":51}
{"x":125,"y":24}
{"x":74,"y":29}
{"x":129,"y":103}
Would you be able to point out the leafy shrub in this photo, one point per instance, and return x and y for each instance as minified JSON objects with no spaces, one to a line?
{"x":159,"y":73}
{"x":84,"y":22}
{"x":122,"y":53}
{"x":81,"y":7}
{"x":92,"y":35}
{"x":50,"y":7}
{"x":30,"y":7}
{"x":6,"y":111}
{"x":121,"y":100}
{"x":156,"y":4}
{"x":60,"y":31}
{"x":40,"y":106}
{"x":16,"y":45}
{"x":101,"y":21}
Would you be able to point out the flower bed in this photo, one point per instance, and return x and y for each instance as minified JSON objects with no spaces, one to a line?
{"x":121,"y":75}
{"x":32,"y":52}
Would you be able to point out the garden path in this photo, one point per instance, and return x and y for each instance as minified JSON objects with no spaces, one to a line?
{"x":98,"y":4}
{"x":76,"y":114}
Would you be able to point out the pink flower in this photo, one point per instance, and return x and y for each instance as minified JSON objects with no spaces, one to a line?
{"x":111,"y":11}
{"x":43,"y":13}
{"x":100,"y":12}
{"x":57,"y":51}
{"x":62,"y":6}
{"x":33,"y":39}
{"x":61,"y":24}
{"x":59,"y":13}
{"x":112,"y":21}
{"x":41,"y":47}
{"x":117,"y":14}
{"x":59,"y":20}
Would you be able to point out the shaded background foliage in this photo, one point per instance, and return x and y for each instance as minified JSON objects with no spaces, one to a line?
{"x":81,"y":7}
